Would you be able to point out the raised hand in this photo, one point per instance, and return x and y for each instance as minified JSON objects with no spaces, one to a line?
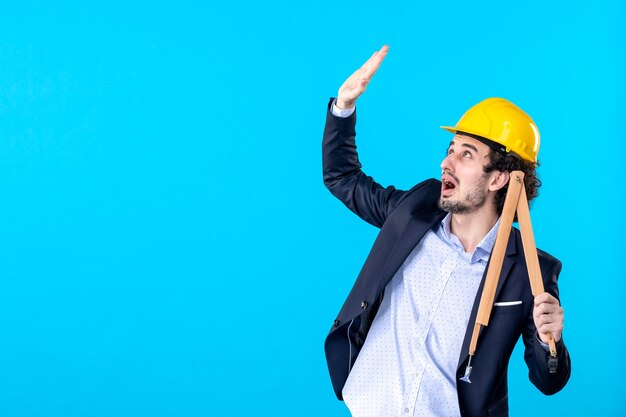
{"x":356,"y":84}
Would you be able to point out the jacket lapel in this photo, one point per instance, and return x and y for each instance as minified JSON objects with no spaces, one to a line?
{"x":507,"y":265}
{"x":409,"y":238}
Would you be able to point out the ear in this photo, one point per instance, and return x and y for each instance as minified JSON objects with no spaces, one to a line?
{"x":499,"y":180}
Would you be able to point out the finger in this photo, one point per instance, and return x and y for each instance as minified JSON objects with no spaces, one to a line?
{"x":359,"y":72}
{"x":555,"y":317}
{"x":377,"y":59}
{"x":545,"y":298}
{"x":371,"y":59}
{"x":553,"y":328}
{"x":545,"y":308}
{"x":546,"y":320}
{"x":541,"y":298}
{"x":550,"y":326}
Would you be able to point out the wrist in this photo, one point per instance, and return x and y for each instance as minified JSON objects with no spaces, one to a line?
{"x":344,"y":105}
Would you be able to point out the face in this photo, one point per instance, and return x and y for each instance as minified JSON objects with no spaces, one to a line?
{"x":465,"y":185}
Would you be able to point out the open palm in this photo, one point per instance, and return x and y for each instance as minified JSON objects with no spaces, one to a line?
{"x":356,"y":84}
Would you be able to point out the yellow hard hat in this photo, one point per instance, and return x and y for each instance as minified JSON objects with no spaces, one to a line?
{"x":502,"y":122}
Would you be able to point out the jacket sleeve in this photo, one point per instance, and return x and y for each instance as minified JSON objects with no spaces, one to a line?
{"x":343,"y":175}
{"x":535,"y":355}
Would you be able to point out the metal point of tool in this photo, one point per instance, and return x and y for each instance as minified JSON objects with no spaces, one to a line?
{"x":468,"y":372}
{"x":553,"y":363}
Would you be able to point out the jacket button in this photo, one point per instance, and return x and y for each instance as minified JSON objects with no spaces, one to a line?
{"x":363,"y":305}
{"x":336,"y":323}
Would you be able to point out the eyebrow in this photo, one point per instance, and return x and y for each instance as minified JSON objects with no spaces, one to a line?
{"x":472,"y":147}
{"x":465,"y":145}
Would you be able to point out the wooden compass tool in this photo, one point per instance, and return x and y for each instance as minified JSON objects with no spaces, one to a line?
{"x":514,"y":202}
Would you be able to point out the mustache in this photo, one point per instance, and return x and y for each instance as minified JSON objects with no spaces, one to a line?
{"x":451,"y":175}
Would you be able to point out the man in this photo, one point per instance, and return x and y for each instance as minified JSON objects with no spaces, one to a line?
{"x":400,"y":342}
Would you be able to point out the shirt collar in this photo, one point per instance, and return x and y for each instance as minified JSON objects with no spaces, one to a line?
{"x":482,"y":251}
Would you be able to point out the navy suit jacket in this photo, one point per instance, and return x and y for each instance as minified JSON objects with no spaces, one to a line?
{"x":404,"y":217}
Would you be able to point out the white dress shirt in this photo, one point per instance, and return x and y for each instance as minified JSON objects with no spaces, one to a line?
{"x":407,"y":366}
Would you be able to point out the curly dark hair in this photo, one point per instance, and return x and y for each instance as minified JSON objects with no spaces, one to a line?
{"x":510,"y":162}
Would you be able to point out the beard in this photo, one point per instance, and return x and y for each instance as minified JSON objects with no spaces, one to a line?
{"x":472,"y":201}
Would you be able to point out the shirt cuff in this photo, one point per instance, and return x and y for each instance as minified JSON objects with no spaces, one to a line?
{"x":341,"y":113}
{"x":545,"y":346}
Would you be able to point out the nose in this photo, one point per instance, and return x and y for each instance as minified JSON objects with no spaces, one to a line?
{"x":447,"y":163}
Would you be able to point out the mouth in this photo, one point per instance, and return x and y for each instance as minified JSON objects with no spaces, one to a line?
{"x":448,"y":184}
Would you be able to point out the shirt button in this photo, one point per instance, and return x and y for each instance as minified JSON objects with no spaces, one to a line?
{"x":364,"y":305}
{"x":406,"y":410}
{"x":336,"y":323}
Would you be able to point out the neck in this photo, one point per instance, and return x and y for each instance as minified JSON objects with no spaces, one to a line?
{"x":471,"y":228}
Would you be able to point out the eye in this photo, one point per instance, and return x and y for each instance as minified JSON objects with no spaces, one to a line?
{"x":449,"y":151}
{"x":467,"y":154}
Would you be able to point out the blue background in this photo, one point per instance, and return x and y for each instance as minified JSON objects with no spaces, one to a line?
{"x":167,"y":247}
